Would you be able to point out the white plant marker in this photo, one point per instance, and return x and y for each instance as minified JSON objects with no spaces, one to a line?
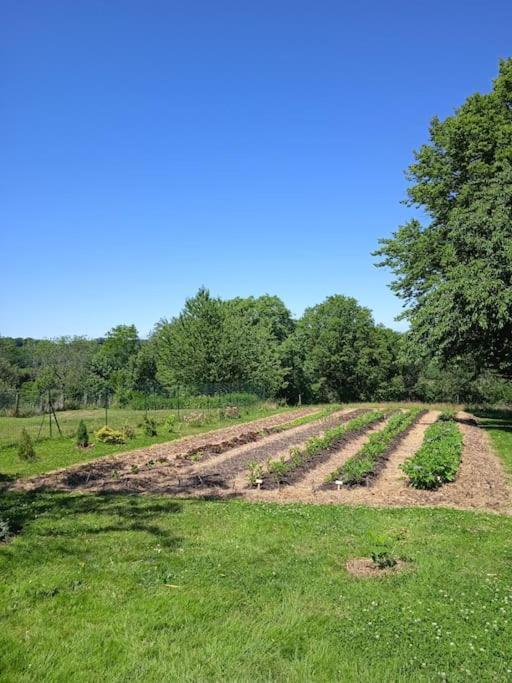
{"x":259,"y":482}
{"x":339,"y":484}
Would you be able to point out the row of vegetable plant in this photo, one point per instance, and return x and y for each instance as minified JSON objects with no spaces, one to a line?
{"x":438,"y":459}
{"x":361,"y":466}
{"x":300,"y":459}
{"x":253,"y":435}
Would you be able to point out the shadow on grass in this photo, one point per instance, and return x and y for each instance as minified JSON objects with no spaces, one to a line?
{"x":120,"y":513}
{"x":495,"y":418}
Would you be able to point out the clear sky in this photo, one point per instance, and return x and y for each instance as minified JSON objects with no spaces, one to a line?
{"x":151,"y":147}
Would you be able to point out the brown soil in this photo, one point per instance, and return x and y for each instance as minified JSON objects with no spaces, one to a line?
{"x":480,"y":485}
{"x":316,"y":477}
{"x":94,"y":470}
{"x":363,"y":567}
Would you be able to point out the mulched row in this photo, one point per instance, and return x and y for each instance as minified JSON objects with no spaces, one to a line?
{"x":383,"y":458}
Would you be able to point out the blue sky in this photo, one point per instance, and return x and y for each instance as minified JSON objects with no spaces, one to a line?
{"x":149,"y":148}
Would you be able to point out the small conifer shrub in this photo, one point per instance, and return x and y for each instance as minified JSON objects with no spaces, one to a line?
{"x":25,"y":448}
{"x":82,"y":435}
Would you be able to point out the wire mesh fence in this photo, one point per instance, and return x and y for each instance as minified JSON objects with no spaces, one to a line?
{"x":53,"y":414}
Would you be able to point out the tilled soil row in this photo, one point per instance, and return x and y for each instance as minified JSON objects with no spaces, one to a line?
{"x":184,"y":477}
{"x":298,"y":473}
{"x":84,"y":475}
{"x":384,"y":457}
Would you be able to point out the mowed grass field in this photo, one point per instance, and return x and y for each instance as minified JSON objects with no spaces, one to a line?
{"x":122,"y":588}
{"x":150,"y":588}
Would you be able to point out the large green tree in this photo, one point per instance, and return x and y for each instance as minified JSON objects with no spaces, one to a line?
{"x":454,"y":268}
{"x":214,"y":342}
{"x":344,"y":355}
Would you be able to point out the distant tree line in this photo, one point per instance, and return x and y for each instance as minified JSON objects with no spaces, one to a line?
{"x":334,"y":352}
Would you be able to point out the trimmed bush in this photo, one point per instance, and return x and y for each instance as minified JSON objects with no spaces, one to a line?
{"x":25,"y":447}
{"x":438,"y":459}
{"x":109,"y":435}
{"x":362,"y":465}
{"x":82,"y":435}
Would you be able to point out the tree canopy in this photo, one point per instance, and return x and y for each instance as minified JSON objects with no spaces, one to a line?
{"x":454,"y":269}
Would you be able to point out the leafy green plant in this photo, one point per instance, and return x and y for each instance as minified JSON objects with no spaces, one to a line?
{"x":170,"y":423}
{"x":447,"y":416}
{"x":383,"y":559}
{"x":149,"y":426}
{"x":108,"y":435}
{"x":279,"y":469}
{"x":383,"y":551}
{"x":438,"y":459}
{"x":134,"y":469}
{"x":255,"y":473}
{"x":361,"y":465}
{"x":25,"y":447}
{"x":82,"y":435}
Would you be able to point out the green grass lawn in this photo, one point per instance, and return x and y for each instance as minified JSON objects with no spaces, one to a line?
{"x":499,"y":425}
{"x":62,"y":452}
{"x":127,"y":588}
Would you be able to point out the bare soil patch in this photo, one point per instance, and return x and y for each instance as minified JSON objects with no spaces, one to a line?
{"x":220,"y":475}
{"x":363,"y":567}
{"x":95,"y":470}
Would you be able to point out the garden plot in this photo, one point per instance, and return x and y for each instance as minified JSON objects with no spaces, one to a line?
{"x":90,"y":474}
{"x":480,"y":483}
{"x":221,"y":474}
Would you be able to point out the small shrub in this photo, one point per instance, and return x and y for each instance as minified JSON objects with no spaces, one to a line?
{"x":149,"y":426}
{"x":108,"y":435}
{"x":383,"y":559}
{"x":170,"y":423}
{"x":134,"y":469}
{"x":115,"y":475}
{"x":447,"y":416}
{"x":196,"y":418}
{"x":277,"y":469}
{"x":232,"y":412}
{"x":82,"y":435}
{"x":255,"y":472}
{"x":25,"y":448}
{"x":5,"y":533}
{"x":128,"y":431}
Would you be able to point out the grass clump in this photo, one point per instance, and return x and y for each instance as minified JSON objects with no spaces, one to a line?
{"x":362,"y":465}
{"x":82,"y":435}
{"x":438,"y":459}
{"x":25,"y":447}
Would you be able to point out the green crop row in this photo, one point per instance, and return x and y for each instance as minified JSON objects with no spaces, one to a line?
{"x":362,"y":465}
{"x":278,"y":470}
{"x":305,"y":419}
{"x":438,"y":459}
